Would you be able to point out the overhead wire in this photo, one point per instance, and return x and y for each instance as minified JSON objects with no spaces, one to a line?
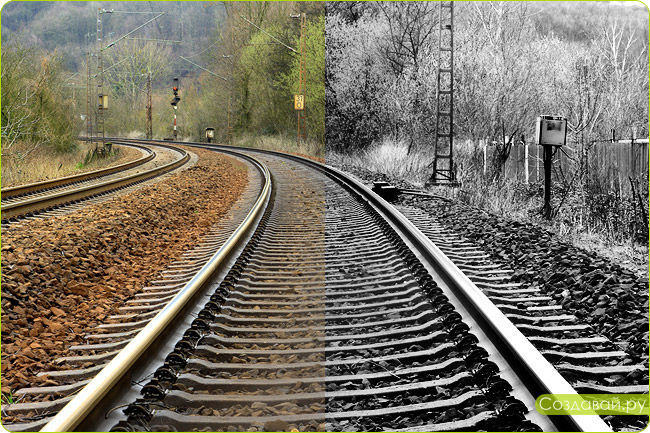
{"x":203,"y":51}
{"x":201,"y":67}
{"x":268,"y":34}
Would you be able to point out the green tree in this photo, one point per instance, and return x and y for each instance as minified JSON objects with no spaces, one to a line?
{"x":266,"y":62}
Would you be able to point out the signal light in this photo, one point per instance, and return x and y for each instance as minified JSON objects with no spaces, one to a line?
{"x":175,"y":90}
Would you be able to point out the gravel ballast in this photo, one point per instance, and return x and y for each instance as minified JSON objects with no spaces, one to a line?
{"x":609,"y":297}
{"x":64,"y":275}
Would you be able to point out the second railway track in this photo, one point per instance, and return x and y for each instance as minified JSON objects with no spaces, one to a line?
{"x":33,"y":199}
{"x":326,"y":310}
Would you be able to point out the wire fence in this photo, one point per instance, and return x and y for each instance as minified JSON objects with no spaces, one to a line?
{"x":612,"y":163}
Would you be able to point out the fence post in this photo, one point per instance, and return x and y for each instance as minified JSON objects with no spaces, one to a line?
{"x":537,"y":165}
{"x":526,"y":163}
{"x":484,"y":157}
{"x":516,"y":161}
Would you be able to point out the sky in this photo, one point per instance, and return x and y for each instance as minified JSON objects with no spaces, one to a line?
{"x":2,"y":2}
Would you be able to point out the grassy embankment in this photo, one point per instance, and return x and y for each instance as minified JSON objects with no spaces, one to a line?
{"x":44,"y":163}
{"x":282,"y":143}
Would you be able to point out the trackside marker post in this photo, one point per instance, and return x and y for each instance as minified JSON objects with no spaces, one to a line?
{"x":550,"y":132}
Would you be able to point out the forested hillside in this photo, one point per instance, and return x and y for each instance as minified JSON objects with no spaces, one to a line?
{"x":63,"y":26}
{"x":513,"y":60}
{"x":234,"y":61}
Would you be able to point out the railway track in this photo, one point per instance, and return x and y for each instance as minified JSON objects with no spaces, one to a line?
{"x":51,"y":196}
{"x":324,"y":309}
{"x":591,"y":362}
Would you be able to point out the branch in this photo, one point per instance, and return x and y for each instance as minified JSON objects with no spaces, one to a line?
{"x":268,"y":34}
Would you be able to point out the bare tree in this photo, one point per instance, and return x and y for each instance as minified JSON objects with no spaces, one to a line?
{"x":34,"y":111}
{"x":625,"y":60}
{"x":411,"y":33}
{"x":408,"y":47}
{"x":498,"y":73}
{"x":134,"y":61}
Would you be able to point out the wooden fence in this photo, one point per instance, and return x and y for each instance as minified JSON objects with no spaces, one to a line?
{"x":611,"y":163}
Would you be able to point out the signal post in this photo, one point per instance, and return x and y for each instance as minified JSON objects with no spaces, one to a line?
{"x":174,"y":103}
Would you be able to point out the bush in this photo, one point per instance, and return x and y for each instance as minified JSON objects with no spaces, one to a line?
{"x":35,"y":109}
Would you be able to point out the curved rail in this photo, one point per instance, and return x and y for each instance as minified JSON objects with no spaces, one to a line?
{"x":35,"y":204}
{"x":532,"y":368}
{"x":84,"y":402}
{"x":30,"y":188}
{"x":535,"y":371}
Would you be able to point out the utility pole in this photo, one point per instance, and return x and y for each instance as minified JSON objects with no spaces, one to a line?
{"x":229,"y":127}
{"x":102,"y":98}
{"x":100,"y":81}
{"x":299,"y":99}
{"x":149,"y":118}
{"x":232,"y":78}
{"x":302,"y":78}
{"x":444,"y":170}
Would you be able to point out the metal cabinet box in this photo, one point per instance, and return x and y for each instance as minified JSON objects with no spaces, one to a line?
{"x":550,"y":131}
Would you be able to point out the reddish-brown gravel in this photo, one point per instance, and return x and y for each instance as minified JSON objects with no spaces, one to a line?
{"x":62,"y":276}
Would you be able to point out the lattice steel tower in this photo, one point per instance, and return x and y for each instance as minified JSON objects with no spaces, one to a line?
{"x":444,"y":170}
{"x":89,"y":121}
{"x":99,"y":120}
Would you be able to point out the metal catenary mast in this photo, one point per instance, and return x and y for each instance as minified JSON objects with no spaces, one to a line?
{"x":149,"y":114}
{"x":444,"y":170}
{"x":231,"y":88}
{"x":101,"y":97}
{"x":89,"y":122}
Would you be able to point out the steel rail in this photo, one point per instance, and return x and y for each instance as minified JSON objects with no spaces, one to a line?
{"x":35,"y":204}
{"x":63,"y":181}
{"x":92,"y":394}
{"x":525,"y":360}
{"x":538,"y":375}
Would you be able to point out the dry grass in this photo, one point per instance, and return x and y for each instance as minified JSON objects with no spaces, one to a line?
{"x":43,"y":164}
{"x":136,"y":135}
{"x":282,"y":143}
{"x":627,"y":254}
{"x":510,"y":198}
{"x":389,"y":157}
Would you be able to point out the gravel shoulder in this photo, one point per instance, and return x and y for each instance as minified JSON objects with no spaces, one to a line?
{"x":62,"y":276}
